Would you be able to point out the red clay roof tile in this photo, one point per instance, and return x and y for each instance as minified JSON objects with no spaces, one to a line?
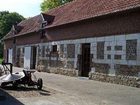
{"x":85,"y":9}
{"x":75,"y":11}
{"x":27,"y":26}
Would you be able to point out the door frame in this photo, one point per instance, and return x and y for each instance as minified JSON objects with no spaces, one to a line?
{"x":33,"y":57}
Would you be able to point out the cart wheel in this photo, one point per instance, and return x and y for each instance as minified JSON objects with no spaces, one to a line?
{"x":15,"y":85}
{"x":39,"y":84}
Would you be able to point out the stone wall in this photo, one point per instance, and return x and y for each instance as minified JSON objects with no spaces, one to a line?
{"x":62,"y":71}
{"x":115,"y":55}
{"x":20,"y":57}
{"x":71,"y":50}
{"x":101,"y":68}
{"x":128,"y":70}
{"x":131,"y":49}
{"x":122,"y":80}
{"x":42,"y":65}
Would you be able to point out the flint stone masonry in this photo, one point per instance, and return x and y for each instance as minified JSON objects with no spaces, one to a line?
{"x":100,"y":50}
{"x":42,"y":65}
{"x":68,"y":72}
{"x":101,"y":68}
{"x":20,"y":57}
{"x":71,"y":51}
{"x":122,"y":80}
{"x":131,"y":49}
{"x":129,"y":70}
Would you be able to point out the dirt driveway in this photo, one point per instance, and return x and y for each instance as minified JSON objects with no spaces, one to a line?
{"x":64,"y":90}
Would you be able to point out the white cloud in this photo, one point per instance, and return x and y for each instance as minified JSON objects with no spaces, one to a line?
{"x":27,"y":8}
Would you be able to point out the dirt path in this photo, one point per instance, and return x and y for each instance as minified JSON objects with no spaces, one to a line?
{"x":64,"y":90}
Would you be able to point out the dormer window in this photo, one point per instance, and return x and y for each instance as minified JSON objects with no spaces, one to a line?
{"x":44,"y":24}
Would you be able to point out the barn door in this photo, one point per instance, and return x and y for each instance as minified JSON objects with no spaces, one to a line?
{"x":10,"y":56}
{"x":27,"y":57}
{"x":85,"y":59}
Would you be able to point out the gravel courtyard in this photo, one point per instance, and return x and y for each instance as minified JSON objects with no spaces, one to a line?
{"x":64,"y":90}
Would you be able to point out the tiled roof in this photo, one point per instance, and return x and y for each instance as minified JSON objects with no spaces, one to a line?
{"x":85,"y":9}
{"x":27,"y":26}
{"x":76,"y":10}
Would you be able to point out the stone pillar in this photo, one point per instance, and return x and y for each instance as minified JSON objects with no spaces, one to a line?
{"x":112,"y":70}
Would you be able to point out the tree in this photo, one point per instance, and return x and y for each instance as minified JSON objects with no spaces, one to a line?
{"x":49,"y":4}
{"x":7,"y":20}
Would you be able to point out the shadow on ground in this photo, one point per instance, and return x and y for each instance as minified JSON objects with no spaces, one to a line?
{"x":27,"y":90}
{"x":7,"y":99}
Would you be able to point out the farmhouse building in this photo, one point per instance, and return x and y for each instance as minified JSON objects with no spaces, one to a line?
{"x":79,"y":37}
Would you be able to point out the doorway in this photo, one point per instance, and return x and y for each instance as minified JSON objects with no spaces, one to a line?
{"x":85,"y":60}
{"x":27,"y":57}
{"x":33,"y":61}
{"x":10,"y":56}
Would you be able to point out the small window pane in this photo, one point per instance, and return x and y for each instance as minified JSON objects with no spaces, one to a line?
{"x":108,"y":56}
{"x":118,"y":57}
{"x":108,"y":48}
{"x":118,"y":48}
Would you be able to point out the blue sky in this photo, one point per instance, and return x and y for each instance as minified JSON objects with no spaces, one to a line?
{"x":26,"y":8}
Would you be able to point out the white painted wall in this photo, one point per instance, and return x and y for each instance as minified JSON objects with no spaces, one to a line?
{"x":27,"y":57}
{"x":10,"y":56}
{"x":109,"y":41}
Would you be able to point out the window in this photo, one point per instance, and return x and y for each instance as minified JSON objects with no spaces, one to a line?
{"x":131,"y":49}
{"x":44,"y":24}
{"x":100,"y":50}
{"x":108,"y":56}
{"x":54,"y":48}
{"x":118,"y":48}
{"x":108,"y":48}
{"x":118,"y":57}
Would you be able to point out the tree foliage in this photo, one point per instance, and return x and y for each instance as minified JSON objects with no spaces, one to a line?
{"x":7,"y":20}
{"x":49,"y":4}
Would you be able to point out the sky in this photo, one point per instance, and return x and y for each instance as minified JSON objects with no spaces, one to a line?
{"x":26,"y":8}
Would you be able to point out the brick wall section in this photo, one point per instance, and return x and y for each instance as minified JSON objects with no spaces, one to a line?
{"x":33,"y":38}
{"x":125,"y":23}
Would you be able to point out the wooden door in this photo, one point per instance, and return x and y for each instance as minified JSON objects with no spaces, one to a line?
{"x":85,"y":59}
